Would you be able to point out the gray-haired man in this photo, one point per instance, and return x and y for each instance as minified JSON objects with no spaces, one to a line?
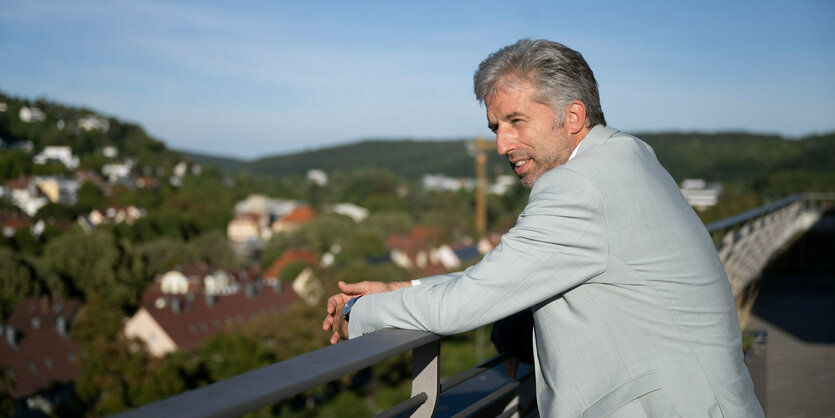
{"x":633,"y":314}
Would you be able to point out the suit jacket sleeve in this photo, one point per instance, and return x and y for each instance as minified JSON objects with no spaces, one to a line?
{"x":433,"y":280}
{"x":559,"y":242}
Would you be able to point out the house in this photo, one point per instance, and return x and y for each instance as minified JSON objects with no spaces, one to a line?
{"x":246,"y":227}
{"x":699,"y":194}
{"x":31,"y":114}
{"x":441,"y":183}
{"x":62,"y":154}
{"x":24,"y":194}
{"x":37,"y":352}
{"x":111,"y":215}
{"x":58,"y":189}
{"x":85,"y":176}
{"x":317,"y":177}
{"x":117,"y":171}
{"x":503,"y":184}
{"x":12,"y":222}
{"x":170,"y":322}
{"x":270,"y":208}
{"x":94,"y":123}
{"x":110,"y":151}
{"x":357,"y":213}
{"x":146,"y":182}
{"x":292,"y":221}
{"x":271,"y":275}
{"x":422,"y":249}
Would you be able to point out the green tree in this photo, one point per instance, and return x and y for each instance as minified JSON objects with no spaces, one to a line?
{"x":92,"y":264}
{"x":57,"y":212}
{"x":291,"y":271}
{"x":162,"y":254}
{"x":18,"y":280}
{"x":230,"y":354}
{"x":14,"y":164}
{"x":101,"y":387}
{"x":90,"y":197}
{"x":213,"y":248}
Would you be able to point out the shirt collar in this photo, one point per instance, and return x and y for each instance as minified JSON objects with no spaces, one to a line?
{"x":573,"y":153}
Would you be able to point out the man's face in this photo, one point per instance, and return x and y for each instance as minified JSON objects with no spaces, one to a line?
{"x":527,"y":132}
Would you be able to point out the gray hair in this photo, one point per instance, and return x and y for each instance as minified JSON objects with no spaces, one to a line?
{"x":559,"y":75}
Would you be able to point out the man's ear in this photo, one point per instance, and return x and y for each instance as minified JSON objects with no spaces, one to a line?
{"x":575,"y":116}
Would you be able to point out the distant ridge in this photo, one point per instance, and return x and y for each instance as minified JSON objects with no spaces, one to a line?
{"x":721,"y":156}
{"x":409,"y":159}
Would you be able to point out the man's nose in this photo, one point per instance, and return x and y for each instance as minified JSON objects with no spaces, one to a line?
{"x":505,"y":142}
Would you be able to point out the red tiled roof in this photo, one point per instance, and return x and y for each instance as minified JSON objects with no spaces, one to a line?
{"x":42,"y":357}
{"x":421,"y":237}
{"x":197,"y":320}
{"x":301,"y":214}
{"x":287,"y":258}
{"x":19,"y":183}
{"x":14,"y":220}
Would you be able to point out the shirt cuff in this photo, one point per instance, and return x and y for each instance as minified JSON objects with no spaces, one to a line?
{"x":416,"y":282}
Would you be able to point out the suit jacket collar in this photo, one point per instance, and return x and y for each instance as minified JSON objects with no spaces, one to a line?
{"x":599,"y":134}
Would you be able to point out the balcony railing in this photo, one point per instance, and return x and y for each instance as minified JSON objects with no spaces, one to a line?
{"x":736,"y":236}
{"x":269,"y":385}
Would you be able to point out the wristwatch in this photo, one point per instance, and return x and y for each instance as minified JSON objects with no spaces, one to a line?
{"x":346,"y":311}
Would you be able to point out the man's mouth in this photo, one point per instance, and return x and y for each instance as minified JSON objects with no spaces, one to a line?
{"x":520,"y":166}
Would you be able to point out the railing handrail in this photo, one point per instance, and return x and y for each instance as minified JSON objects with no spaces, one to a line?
{"x":271,"y":384}
{"x":731,"y":221}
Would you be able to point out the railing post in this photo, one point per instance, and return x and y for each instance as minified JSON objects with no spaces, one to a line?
{"x":426,"y":376}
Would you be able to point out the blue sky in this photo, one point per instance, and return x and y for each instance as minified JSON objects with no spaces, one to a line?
{"x":248,"y":79}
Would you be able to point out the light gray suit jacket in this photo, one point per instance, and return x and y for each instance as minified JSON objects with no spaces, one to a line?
{"x":632,"y":308}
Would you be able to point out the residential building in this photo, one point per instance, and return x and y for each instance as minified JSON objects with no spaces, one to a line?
{"x":271,"y":275}
{"x":94,"y":123}
{"x":357,"y":213}
{"x":31,"y":114}
{"x":292,"y":221}
{"x":24,"y":194}
{"x":441,"y":183}
{"x":317,"y":177}
{"x":13,"y":222}
{"x":246,"y":227}
{"x":117,"y":171}
{"x":62,"y":154}
{"x":170,"y":322}
{"x":58,"y":189}
{"x":37,"y":352}
{"x":699,"y":194}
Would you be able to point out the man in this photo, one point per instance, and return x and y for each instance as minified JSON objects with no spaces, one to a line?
{"x":633,"y":314}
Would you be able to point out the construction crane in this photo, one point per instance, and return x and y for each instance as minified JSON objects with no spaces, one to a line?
{"x":478,"y":149}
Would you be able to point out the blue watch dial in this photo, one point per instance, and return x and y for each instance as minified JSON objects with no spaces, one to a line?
{"x":346,"y":311}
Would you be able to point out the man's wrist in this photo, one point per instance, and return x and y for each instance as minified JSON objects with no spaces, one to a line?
{"x":346,"y":311}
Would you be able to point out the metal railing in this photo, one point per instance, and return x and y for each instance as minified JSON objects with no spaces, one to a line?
{"x":761,"y":229}
{"x":272,"y":384}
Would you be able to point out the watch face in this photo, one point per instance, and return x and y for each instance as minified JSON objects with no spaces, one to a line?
{"x":348,"y":306}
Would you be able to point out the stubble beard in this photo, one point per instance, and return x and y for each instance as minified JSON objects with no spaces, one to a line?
{"x":546,"y":160}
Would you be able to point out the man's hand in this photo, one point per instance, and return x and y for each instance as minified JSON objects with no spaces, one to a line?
{"x":334,"y":320}
{"x":340,"y":325}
